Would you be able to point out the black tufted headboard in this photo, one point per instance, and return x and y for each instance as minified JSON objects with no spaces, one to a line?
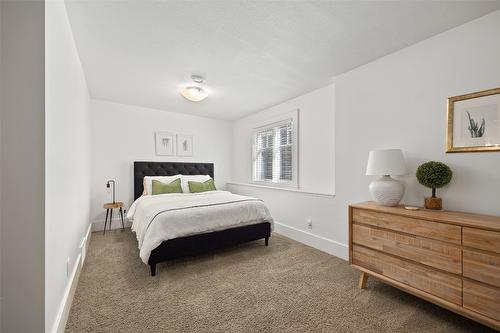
{"x":142,"y":169}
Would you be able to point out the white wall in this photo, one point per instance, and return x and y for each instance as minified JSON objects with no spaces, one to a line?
{"x":67,"y":158}
{"x":122,"y":134}
{"x":398,"y":101}
{"x":316,"y":126}
{"x":1,"y":258}
{"x":22,"y":166}
{"x":316,"y":167}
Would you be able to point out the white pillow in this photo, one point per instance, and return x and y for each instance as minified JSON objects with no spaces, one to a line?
{"x":192,"y":178}
{"x":148,"y":182}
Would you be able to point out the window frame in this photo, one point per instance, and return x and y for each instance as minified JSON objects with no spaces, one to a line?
{"x":269,"y":124}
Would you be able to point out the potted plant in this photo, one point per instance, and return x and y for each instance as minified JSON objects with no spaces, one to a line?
{"x":434,"y":175}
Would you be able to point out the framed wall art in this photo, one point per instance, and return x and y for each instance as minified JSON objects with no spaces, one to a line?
{"x":474,"y":122}
{"x":184,"y":145}
{"x":164,"y":143}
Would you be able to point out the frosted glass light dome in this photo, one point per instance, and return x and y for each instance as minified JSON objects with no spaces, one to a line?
{"x":194,"y":93}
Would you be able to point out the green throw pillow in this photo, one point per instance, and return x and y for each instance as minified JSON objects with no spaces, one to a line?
{"x":162,"y":188}
{"x":195,"y":187}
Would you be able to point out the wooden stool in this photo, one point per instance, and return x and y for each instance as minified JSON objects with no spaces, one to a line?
{"x":109,"y":207}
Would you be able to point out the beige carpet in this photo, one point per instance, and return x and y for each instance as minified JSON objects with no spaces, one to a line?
{"x":286,"y":287}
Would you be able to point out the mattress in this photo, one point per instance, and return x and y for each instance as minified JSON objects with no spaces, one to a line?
{"x":157,"y":218}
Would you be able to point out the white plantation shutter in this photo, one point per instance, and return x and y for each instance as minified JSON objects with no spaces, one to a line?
{"x":284,"y":154}
{"x":274,"y":153}
{"x":264,"y":155}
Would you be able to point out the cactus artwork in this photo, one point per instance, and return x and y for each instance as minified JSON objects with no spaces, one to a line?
{"x":475,"y":130}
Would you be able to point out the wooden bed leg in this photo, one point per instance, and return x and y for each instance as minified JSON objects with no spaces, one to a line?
{"x":153,"y":269}
{"x":363,"y":277}
{"x":266,"y":241}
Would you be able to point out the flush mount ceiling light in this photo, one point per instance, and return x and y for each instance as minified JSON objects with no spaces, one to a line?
{"x":194,"y":93}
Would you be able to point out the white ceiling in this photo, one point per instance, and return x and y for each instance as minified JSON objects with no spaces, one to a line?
{"x":254,"y":54}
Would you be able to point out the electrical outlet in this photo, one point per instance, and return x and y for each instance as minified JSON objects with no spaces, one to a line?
{"x":309,"y":223}
{"x":68,"y":267}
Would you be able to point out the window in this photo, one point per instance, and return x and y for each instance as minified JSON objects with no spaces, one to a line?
{"x":275,"y":152}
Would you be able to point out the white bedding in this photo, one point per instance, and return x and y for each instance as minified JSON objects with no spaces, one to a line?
{"x":157,"y":218}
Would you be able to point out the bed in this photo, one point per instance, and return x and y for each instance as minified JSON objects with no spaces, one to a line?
{"x":171,"y":226}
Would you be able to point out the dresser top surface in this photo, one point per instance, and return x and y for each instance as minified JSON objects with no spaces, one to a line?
{"x":487,"y":222}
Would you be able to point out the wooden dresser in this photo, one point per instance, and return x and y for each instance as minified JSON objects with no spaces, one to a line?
{"x":449,"y":258}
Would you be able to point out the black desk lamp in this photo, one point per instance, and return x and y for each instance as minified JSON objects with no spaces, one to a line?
{"x":108,"y":184}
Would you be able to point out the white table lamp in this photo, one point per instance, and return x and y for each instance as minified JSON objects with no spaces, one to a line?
{"x":386,"y":190}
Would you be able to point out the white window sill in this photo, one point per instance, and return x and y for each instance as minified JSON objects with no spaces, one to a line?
{"x":288,"y":189}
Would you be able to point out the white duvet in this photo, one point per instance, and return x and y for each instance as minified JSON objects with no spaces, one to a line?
{"x":157,"y":218}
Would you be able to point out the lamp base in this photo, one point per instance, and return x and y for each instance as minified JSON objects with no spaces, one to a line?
{"x":387,"y":191}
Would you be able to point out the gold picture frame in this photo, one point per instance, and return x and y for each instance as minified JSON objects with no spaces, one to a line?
{"x":479,"y":132}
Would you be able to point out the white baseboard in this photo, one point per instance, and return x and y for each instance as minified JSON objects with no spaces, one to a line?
{"x":98,"y":225}
{"x":318,"y":242}
{"x":63,"y":313}
{"x":84,"y":245}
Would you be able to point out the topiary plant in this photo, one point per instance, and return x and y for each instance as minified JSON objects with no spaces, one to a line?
{"x":434,"y":175}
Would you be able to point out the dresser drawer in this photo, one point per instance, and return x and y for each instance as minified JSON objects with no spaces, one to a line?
{"x":443,"y":285}
{"x":435,"y":230}
{"x":436,"y":254}
{"x":482,"y":239}
{"x":482,"y":299}
{"x":482,"y":266}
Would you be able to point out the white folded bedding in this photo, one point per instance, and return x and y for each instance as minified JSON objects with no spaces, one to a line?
{"x":157,"y":218}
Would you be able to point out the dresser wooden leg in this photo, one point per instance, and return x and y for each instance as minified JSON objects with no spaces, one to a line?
{"x":363,"y":277}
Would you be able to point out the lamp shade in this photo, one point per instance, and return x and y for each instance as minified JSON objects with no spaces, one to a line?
{"x":386,"y":162}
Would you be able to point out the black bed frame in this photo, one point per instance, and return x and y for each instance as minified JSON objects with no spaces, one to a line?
{"x":196,"y":244}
